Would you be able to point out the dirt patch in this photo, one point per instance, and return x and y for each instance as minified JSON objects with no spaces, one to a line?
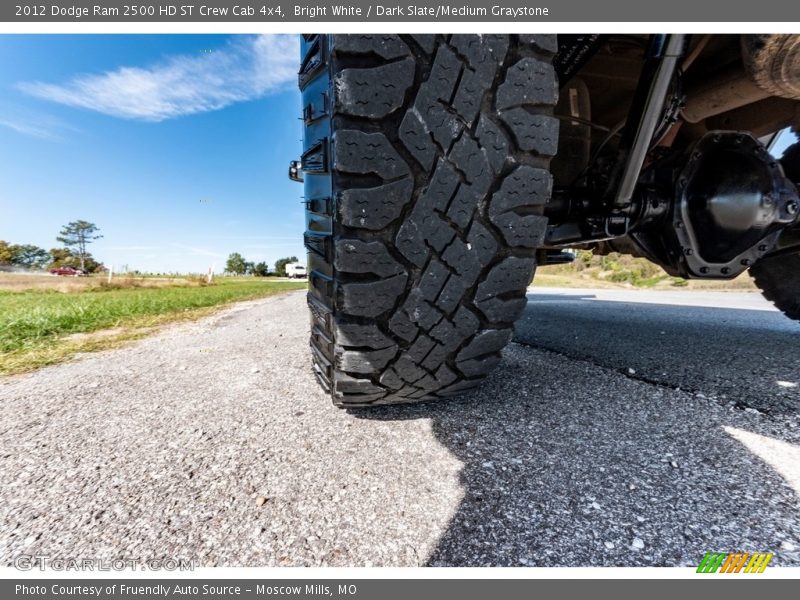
{"x":103,"y":333}
{"x":21,"y":282}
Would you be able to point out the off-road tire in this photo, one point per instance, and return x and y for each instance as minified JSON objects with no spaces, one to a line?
{"x":773,"y":62}
{"x":426,"y":169}
{"x":778,"y":275}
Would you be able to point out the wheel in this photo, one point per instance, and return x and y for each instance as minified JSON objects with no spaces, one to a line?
{"x":773,"y":62}
{"x":778,"y":276}
{"x":426,"y":164}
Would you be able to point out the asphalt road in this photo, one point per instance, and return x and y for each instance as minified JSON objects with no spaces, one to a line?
{"x":211,"y":441}
{"x":733,"y":346}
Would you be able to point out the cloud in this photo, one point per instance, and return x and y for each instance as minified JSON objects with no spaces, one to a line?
{"x":133,"y":248}
{"x":195,"y":251}
{"x":31,"y":129}
{"x":297,"y":242}
{"x":34,"y":124}
{"x":244,"y":69}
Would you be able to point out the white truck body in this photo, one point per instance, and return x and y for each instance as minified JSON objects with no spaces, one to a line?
{"x":296,"y":270}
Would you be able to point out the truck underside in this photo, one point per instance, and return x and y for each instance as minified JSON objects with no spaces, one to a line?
{"x":664,"y":149}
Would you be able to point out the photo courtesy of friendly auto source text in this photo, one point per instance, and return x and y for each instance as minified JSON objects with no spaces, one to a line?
{"x":317,"y":299}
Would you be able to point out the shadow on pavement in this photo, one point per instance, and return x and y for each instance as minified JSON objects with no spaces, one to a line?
{"x":567,"y":464}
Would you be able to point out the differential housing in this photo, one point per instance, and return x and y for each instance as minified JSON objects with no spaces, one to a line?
{"x":731,"y":203}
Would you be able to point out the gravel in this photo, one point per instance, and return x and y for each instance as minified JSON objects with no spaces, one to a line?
{"x":239,"y":459}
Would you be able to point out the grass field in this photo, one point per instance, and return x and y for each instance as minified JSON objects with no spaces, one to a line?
{"x":22,"y":282}
{"x":45,"y":321}
{"x":544,"y":278}
{"x":620,"y":271}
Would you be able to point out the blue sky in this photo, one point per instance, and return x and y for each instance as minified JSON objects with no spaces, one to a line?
{"x":177,"y":146}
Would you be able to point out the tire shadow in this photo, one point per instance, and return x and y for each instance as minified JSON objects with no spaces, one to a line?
{"x":568,"y":464}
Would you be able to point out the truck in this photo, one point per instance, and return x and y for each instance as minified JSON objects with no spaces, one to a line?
{"x":295,"y":270}
{"x":440,"y":170}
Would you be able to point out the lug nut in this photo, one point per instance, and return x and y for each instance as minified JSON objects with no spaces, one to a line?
{"x":791,"y":207}
{"x":745,"y":262}
{"x":762,"y":248}
{"x":704,"y":270}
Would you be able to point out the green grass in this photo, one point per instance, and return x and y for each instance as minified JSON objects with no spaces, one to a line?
{"x":616,"y":270}
{"x":38,"y":327}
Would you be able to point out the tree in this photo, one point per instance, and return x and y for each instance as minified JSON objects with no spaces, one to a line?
{"x":5,"y":253}
{"x":93,"y":266}
{"x":76,"y":236}
{"x":260,"y":269}
{"x":280,"y":265}
{"x":29,"y":256}
{"x":236,"y":264}
{"x":62,"y":257}
{"x":248,"y":267}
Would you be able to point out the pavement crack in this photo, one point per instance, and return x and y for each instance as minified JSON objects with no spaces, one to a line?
{"x":697,"y":394}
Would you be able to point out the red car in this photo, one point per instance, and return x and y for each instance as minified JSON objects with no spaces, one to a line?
{"x":67,"y":271}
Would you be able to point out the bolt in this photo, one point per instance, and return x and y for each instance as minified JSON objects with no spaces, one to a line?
{"x":704,"y":270}
{"x":791,"y":207}
{"x":762,"y":248}
{"x":688,"y":251}
{"x":745,"y":262}
{"x":725,"y":270}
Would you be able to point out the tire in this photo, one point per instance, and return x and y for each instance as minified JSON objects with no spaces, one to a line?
{"x":773,"y":62}
{"x":778,"y":276}
{"x":426,"y":164}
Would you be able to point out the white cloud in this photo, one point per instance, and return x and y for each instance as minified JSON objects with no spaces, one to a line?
{"x":133,"y":248}
{"x":244,"y":69}
{"x":30,"y":129}
{"x":194,"y":250}
{"x":33,"y":124}
{"x":293,"y":244}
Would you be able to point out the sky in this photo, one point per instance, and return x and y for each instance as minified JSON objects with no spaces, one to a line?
{"x":176,"y":146}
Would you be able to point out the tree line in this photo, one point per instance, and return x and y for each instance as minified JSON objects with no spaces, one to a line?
{"x":75,"y":238}
{"x":237,"y":265}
